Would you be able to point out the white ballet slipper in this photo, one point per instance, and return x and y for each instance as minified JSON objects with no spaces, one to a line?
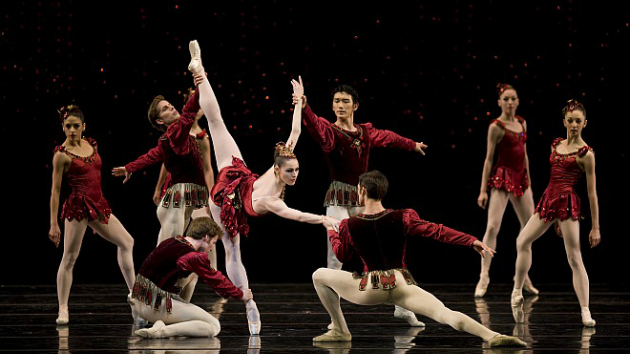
{"x":333,"y":336}
{"x":506,"y":341}
{"x":153,"y":332}
{"x":410,"y":317}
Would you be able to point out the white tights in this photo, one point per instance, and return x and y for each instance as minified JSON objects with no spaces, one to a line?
{"x":570,"y":234}
{"x":74,"y":231}
{"x":332,"y":284}
{"x":185,"y":319}
{"x":524,"y":208}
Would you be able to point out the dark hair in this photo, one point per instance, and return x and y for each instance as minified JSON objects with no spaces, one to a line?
{"x":504,"y":87}
{"x":349,"y":90}
{"x":573,"y":105}
{"x":71,"y":110}
{"x":154,"y":113}
{"x":375,"y":183}
{"x":200,"y":227}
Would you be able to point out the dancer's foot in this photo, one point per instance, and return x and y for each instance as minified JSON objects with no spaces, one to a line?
{"x":410,"y":317}
{"x":333,"y":336}
{"x":501,"y":340}
{"x":529,"y":287}
{"x":195,"y":66}
{"x":253,"y":318}
{"x":587,"y":320}
{"x":482,"y":285}
{"x":64,"y":316}
{"x":153,"y":332}
{"x":517,"y":306}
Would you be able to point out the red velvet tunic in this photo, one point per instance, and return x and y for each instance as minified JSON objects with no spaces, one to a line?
{"x":177,"y":149}
{"x":380,"y":241}
{"x":347,"y":153}
{"x":168,"y":182}
{"x":232,"y":191}
{"x":84,"y":177}
{"x":509,"y":173}
{"x":174,"y":259}
{"x":560,"y":199}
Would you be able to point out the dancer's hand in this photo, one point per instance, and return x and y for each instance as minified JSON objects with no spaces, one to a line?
{"x":594,"y":237}
{"x":198,"y":78}
{"x":419,"y":147}
{"x":298,"y":90}
{"x":330,"y":223}
{"x":482,"y":200}
{"x":480,"y":247}
{"x":157,"y":197}
{"x":54,"y":234}
{"x":121,"y":172}
{"x":247,"y":294}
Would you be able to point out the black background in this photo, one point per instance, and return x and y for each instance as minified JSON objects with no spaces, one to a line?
{"x":425,"y":70}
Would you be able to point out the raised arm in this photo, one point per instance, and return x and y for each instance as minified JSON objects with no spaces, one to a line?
{"x":588,"y":162}
{"x":60,"y":161}
{"x":494,"y":135}
{"x":178,"y":133}
{"x":296,"y":124}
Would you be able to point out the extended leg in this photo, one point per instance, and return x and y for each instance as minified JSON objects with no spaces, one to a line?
{"x":524,"y":208}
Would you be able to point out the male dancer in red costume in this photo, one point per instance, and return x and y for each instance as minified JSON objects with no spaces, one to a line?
{"x":346,"y":149}
{"x":179,"y":152}
{"x":156,"y":295}
{"x":379,"y":236}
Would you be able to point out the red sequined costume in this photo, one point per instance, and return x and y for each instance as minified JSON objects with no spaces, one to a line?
{"x":179,"y":152}
{"x":173,"y":259}
{"x":380,"y":240}
{"x":84,"y":177}
{"x":509,"y":173}
{"x":560,"y":199}
{"x":232,"y":191}
{"x":347,"y":154}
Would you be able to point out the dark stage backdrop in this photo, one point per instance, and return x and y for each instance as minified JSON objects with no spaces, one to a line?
{"x":426,"y":70}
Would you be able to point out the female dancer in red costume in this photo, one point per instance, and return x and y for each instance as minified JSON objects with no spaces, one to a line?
{"x":379,"y":237}
{"x":560,"y":203}
{"x":508,"y":179}
{"x":77,"y":160}
{"x":238,"y":193}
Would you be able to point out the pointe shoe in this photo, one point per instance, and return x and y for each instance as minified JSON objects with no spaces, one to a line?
{"x":517,"y":307}
{"x":64,"y":317}
{"x":153,"y":332}
{"x":410,"y":317}
{"x":482,"y":286}
{"x":333,"y":336}
{"x":529,"y":287}
{"x":506,"y":341}
{"x":587,"y":320}
{"x":195,"y":66}
{"x":252,"y":313}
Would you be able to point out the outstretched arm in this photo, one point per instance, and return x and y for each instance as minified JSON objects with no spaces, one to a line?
{"x":152,"y":157}
{"x":594,"y":236}
{"x":414,"y":226}
{"x":279,"y":207}
{"x":387,"y":138}
{"x":296,"y":124}
{"x":199,"y":263}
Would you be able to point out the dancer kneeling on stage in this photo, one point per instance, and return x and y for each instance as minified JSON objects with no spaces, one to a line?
{"x":156,"y":294}
{"x":379,"y":237}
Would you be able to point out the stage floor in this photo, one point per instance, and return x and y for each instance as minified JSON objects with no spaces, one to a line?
{"x":292,"y":315}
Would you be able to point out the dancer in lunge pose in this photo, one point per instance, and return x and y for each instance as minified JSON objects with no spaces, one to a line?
{"x":379,"y":236}
{"x":156,"y":294}
{"x":508,"y":179}
{"x":346,"y":148}
{"x":238,"y":193}
{"x":77,"y":160}
{"x":570,"y":158}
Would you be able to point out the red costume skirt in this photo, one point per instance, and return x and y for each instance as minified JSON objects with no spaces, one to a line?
{"x":79,"y":206}
{"x":558,"y":206}
{"x":509,"y":180}
{"x":232,"y":192}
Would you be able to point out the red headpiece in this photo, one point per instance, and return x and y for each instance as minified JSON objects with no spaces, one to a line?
{"x":64,"y":112}
{"x":503,"y":87}
{"x":572,"y":105}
